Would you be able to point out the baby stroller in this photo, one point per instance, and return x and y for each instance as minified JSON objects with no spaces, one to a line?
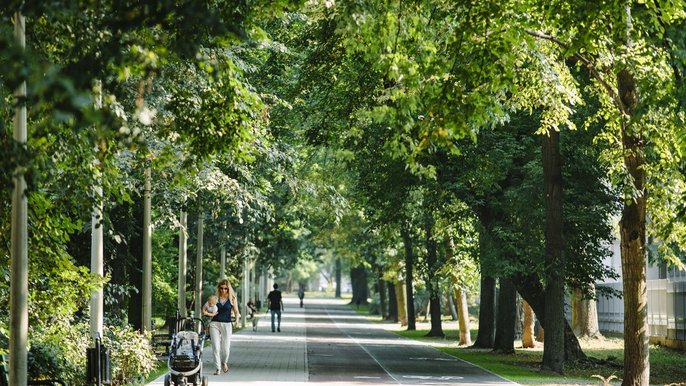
{"x":185,"y":354}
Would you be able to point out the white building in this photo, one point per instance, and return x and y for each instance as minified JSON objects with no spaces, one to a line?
{"x":666,"y":304}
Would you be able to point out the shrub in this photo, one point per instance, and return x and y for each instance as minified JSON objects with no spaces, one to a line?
{"x":59,"y":351}
{"x":131,"y":355}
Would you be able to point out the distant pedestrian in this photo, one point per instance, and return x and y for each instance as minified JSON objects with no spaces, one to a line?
{"x":252,"y":313}
{"x":221,"y":325}
{"x":275,"y":306}
{"x":301,"y":295}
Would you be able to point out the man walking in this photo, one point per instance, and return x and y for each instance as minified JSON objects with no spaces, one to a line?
{"x":275,"y":306}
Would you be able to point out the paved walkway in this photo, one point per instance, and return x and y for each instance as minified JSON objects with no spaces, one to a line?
{"x":265,"y":358}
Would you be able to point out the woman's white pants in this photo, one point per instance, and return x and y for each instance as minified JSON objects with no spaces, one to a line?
{"x":220,"y":335}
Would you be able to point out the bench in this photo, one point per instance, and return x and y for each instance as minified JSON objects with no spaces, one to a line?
{"x":5,"y":376}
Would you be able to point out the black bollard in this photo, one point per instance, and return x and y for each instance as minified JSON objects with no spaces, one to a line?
{"x":98,"y":362}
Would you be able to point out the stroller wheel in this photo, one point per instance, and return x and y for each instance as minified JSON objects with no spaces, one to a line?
{"x":167,"y":380}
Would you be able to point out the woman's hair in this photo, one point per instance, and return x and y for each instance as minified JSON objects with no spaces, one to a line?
{"x":226,"y":283}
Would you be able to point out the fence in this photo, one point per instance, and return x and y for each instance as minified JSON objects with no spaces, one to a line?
{"x":666,"y":310}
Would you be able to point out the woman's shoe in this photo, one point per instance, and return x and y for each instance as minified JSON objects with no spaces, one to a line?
{"x":225,"y":367}
{"x":216,"y":372}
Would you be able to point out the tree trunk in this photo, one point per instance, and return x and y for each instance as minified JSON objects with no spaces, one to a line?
{"x":453,"y":309}
{"x":531,"y":289}
{"x":338,"y":278}
{"x":199,"y":251}
{"x":540,"y":334}
{"x":358,"y":280}
{"x":147,"y":251}
{"x":19,"y":247}
{"x":633,"y":240}
{"x":392,"y":303}
{"x":506,"y":318}
{"x":528,"y":326}
{"x":463,"y":317}
{"x":486,"y":334}
{"x":183,"y":264}
{"x":409,"y":262}
{"x":402,"y":309}
{"x":432,"y":280}
{"x":383,"y":305}
{"x":585,"y":314}
{"x":553,"y":347}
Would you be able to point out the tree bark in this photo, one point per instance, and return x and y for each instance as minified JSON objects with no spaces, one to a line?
{"x":451,"y":306}
{"x":540,"y":334}
{"x":392,"y":303}
{"x":486,"y":334}
{"x":463,"y":317}
{"x":531,"y":289}
{"x":382,"y":295}
{"x":633,"y":241}
{"x":338,"y":278}
{"x":528,"y":340}
{"x":506,"y":318}
{"x":553,"y":347}
{"x":358,"y":280}
{"x":409,"y":263}
{"x":432,"y":280}
{"x":585,"y":314}
{"x":402,"y":309}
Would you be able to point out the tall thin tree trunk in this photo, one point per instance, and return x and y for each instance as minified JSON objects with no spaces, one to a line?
{"x":382,"y":295}
{"x":528,"y":340}
{"x":402,"y":308}
{"x":409,"y":263}
{"x":633,"y":241}
{"x":392,"y":302}
{"x":183,"y":264}
{"x":147,"y":253}
{"x":97,"y":302}
{"x":463,"y":317}
{"x":198,"y":264}
{"x":338,"y":278}
{"x":432,"y":280}
{"x":19,"y":285}
{"x":553,"y":348}
{"x":222,"y":256}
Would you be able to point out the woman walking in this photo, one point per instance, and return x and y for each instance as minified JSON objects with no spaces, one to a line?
{"x":221,"y":327}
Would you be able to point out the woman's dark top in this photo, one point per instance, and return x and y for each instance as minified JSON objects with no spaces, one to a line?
{"x":223,"y":312}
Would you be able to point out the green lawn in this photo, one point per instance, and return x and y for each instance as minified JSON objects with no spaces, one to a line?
{"x":668,"y":367}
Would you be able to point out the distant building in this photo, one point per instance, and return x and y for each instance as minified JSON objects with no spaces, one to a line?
{"x":666,"y":303}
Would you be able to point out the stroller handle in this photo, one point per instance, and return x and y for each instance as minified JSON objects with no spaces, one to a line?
{"x":190,"y":324}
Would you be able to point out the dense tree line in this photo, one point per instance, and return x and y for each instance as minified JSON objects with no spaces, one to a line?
{"x":427,"y":147}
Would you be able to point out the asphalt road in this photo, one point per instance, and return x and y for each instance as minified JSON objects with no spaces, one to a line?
{"x":346,"y":348}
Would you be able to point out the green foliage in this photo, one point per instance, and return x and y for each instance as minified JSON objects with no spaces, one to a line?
{"x":131,"y":353}
{"x":59,"y":352}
